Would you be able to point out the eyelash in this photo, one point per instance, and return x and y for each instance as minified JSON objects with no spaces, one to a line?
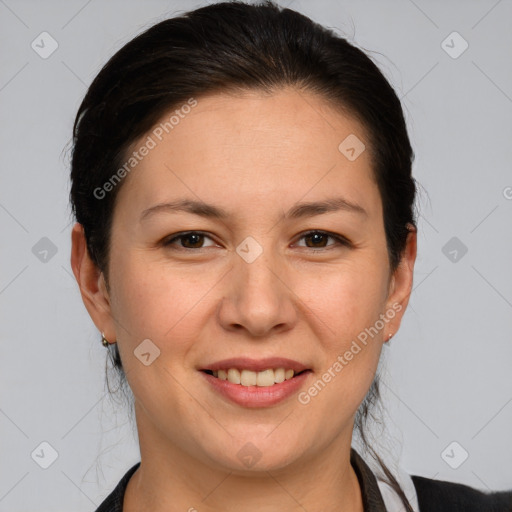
{"x":340,"y":240}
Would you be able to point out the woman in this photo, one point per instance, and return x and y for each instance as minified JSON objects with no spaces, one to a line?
{"x":245,"y":243}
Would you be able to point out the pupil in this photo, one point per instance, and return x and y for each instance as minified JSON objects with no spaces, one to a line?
{"x":193,"y":237}
{"x":317,"y":237}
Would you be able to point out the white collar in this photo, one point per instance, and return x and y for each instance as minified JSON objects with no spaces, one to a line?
{"x":391,"y":499}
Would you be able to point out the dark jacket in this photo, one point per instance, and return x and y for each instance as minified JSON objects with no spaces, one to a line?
{"x":433,"y":495}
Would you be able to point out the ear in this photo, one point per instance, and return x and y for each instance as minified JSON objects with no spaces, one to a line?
{"x":400,"y":286}
{"x":92,"y":284}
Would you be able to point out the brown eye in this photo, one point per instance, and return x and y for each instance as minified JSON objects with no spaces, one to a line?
{"x":190,"y":240}
{"x":319,"y":240}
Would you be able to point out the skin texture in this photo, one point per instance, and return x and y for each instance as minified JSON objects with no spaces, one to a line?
{"x":255,"y":155}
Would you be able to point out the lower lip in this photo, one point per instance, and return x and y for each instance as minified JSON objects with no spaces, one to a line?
{"x":257,"y":396}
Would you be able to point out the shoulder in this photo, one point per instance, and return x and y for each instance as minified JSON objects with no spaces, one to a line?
{"x":440,"y":496}
{"x":114,"y":501}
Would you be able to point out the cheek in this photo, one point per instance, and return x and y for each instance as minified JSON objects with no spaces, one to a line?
{"x":163,"y":303}
{"x":344,"y":301}
{"x":160,"y":304}
{"x":345,"y":308}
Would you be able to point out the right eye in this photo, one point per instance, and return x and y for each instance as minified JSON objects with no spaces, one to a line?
{"x":187,"y":240}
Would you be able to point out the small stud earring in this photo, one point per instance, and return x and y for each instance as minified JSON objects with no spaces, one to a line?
{"x":104,"y":340}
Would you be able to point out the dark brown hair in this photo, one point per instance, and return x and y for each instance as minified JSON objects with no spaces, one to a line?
{"x":234,"y":46}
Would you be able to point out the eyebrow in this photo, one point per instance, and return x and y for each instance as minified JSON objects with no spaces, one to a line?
{"x":297,"y":211}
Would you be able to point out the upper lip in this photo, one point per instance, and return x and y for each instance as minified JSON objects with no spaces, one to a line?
{"x":257,"y":365}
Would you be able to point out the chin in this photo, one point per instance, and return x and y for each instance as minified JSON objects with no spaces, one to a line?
{"x":248,"y":454}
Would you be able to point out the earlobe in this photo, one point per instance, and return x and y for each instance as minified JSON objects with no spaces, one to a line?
{"x":91,"y":283}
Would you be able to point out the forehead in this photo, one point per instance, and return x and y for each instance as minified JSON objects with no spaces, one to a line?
{"x":256,"y":146}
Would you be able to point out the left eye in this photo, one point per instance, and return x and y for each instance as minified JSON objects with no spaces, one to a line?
{"x":319,"y":239}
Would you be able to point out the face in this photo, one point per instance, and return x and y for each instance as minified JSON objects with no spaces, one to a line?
{"x":249,"y":272}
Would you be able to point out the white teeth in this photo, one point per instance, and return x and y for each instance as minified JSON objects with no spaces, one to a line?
{"x":279,"y":375}
{"x":248,"y":378}
{"x":264,"y":378}
{"x":234,"y":376}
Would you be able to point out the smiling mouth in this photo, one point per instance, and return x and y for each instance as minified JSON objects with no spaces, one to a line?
{"x":265,"y":378}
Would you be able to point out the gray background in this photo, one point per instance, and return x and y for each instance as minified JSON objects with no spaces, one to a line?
{"x":447,"y":373}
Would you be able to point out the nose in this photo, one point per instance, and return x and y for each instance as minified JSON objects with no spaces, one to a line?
{"x":258,"y":298}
